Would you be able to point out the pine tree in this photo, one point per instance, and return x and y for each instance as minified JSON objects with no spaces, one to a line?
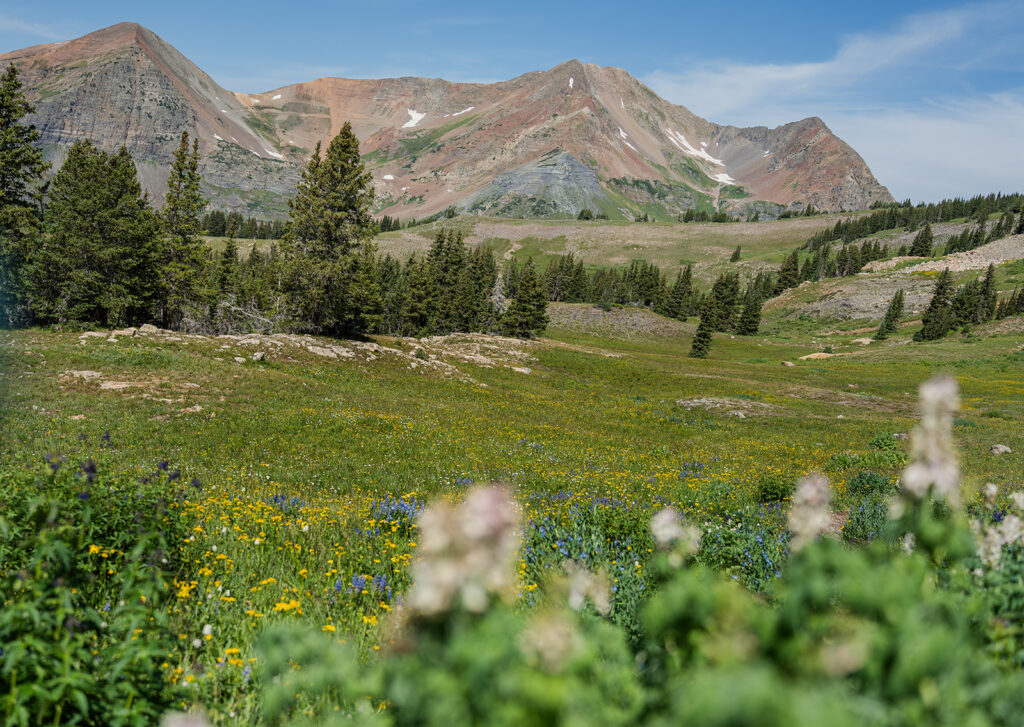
{"x":736,"y":254}
{"x":789,"y":273}
{"x":987,"y":298}
{"x":227,"y":266}
{"x":702,"y":339}
{"x":892,"y":317}
{"x":678,"y":304}
{"x":99,"y":263}
{"x":923,"y":242}
{"x":21,"y":168}
{"x":364,"y":292}
{"x":329,"y":219}
{"x":527,"y":314}
{"x":938,"y":320}
{"x":1019,"y":230}
{"x":184,"y":253}
{"x":750,"y":319}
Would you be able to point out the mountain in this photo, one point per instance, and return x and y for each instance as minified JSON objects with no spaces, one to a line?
{"x":545,"y":144}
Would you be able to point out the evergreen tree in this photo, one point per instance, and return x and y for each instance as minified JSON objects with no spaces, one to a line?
{"x":329,"y":219}
{"x":184,"y":253}
{"x":99,"y":263}
{"x":678,"y":304}
{"x":227,"y":266}
{"x":527,"y":314}
{"x":702,"y":339}
{"x":987,"y":298}
{"x":892,"y":317}
{"x":736,"y":254}
{"x":923,"y":242}
{"x":789,"y":273}
{"x":938,"y":320}
{"x":364,"y":292}
{"x":1019,"y":229}
{"x":21,"y":167}
{"x":750,"y":319}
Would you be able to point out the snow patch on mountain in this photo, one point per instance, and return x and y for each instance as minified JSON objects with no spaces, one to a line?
{"x":273,"y":153}
{"x":571,"y":79}
{"x":680,"y":141}
{"x":460,"y":113}
{"x":723,"y":178}
{"x":276,"y":97}
{"x":388,"y":177}
{"x":415,"y":117}
{"x":623,"y":134}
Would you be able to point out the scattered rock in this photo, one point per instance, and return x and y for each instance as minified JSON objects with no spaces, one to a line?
{"x":259,"y":356}
{"x":115,"y":385}
{"x":998,"y":449}
{"x":522,"y":369}
{"x":148,"y":328}
{"x":852,"y":386}
{"x":78,"y":417}
{"x":863,"y":341}
{"x":192,"y":409}
{"x":87,"y":375}
{"x":93,"y":334}
{"x":738,"y":414}
{"x":133,"y":331}
{"x":320,"y":351}
{"x":788,"y":363}
{"x":901,"y":437}
{"x":840,"y":417}
{"x":239,"y":359}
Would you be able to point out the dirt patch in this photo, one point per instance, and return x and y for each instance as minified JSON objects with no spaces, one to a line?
{"x":994,"y":253}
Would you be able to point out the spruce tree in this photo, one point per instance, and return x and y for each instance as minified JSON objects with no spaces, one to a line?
{"x":702,"y":339}
{"x":329,"y":219}
{"x":1019,"y":229}
{"x":184,"y":253}
{"x":99,"y":261}
{"x":21,"y":168}
{"x":750,"y":319}
{"x":938,"y":319}
{"x":789,"y":273}
{"x":892,"y":317}
{"x":227,"y":265}
{"x":527,"y":314}
{"x":987,"y":298}
{"x":923,"y":242}
{"x":736,"y":254}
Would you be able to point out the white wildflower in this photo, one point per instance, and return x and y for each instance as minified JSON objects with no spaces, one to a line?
{"x":584,"y":584}
{"x":665,"y":527}
{"x":934,"y":464}
{"x":909,"y":541}
{"x":1017,"y":498}
{"x":991,"y":491}
{"x":809,"y":514}
{"x":207,"y":630}
{"x":467,"y":553}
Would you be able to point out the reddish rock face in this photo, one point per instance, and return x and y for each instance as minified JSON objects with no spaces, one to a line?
{"x":546,"y":143}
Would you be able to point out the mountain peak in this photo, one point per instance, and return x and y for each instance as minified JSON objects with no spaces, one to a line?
{"x":546,"y":143}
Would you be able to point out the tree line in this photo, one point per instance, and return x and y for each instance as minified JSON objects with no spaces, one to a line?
{"x":89,"y":248}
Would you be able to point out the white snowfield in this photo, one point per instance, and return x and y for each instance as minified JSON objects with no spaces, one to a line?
{"x":415,"y":117}
{"x":388,"y":177}
{"x":276,"y":97}
{"x":460,"y":113}
{"x":218,"y":137}
{"x":571,"y":79}
{"x":273,"y":153}
{"x":632,"y":147}
{"x":680,"y":141}
{"x":623,"y":134}
{"x":723,"y":178}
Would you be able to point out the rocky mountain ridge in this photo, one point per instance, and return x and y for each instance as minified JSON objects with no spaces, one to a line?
{"x":544,"y":144}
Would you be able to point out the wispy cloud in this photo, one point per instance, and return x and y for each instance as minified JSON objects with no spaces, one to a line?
{"x":903,"y":98}
{"x":36,"y":29}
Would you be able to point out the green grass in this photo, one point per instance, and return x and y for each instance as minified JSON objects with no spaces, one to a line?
{"x":291,"y":453}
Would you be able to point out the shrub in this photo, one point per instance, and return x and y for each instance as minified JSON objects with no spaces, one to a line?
{"x":869,"y":519}
{"x":774,"y":488}
{"x":84,"y":567}
{"x":867,"y":483}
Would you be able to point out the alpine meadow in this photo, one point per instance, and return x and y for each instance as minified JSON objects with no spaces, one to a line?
{"x":536,"y":402}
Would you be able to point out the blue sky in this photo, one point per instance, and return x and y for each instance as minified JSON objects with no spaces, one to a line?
{"x":931,"y":94}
